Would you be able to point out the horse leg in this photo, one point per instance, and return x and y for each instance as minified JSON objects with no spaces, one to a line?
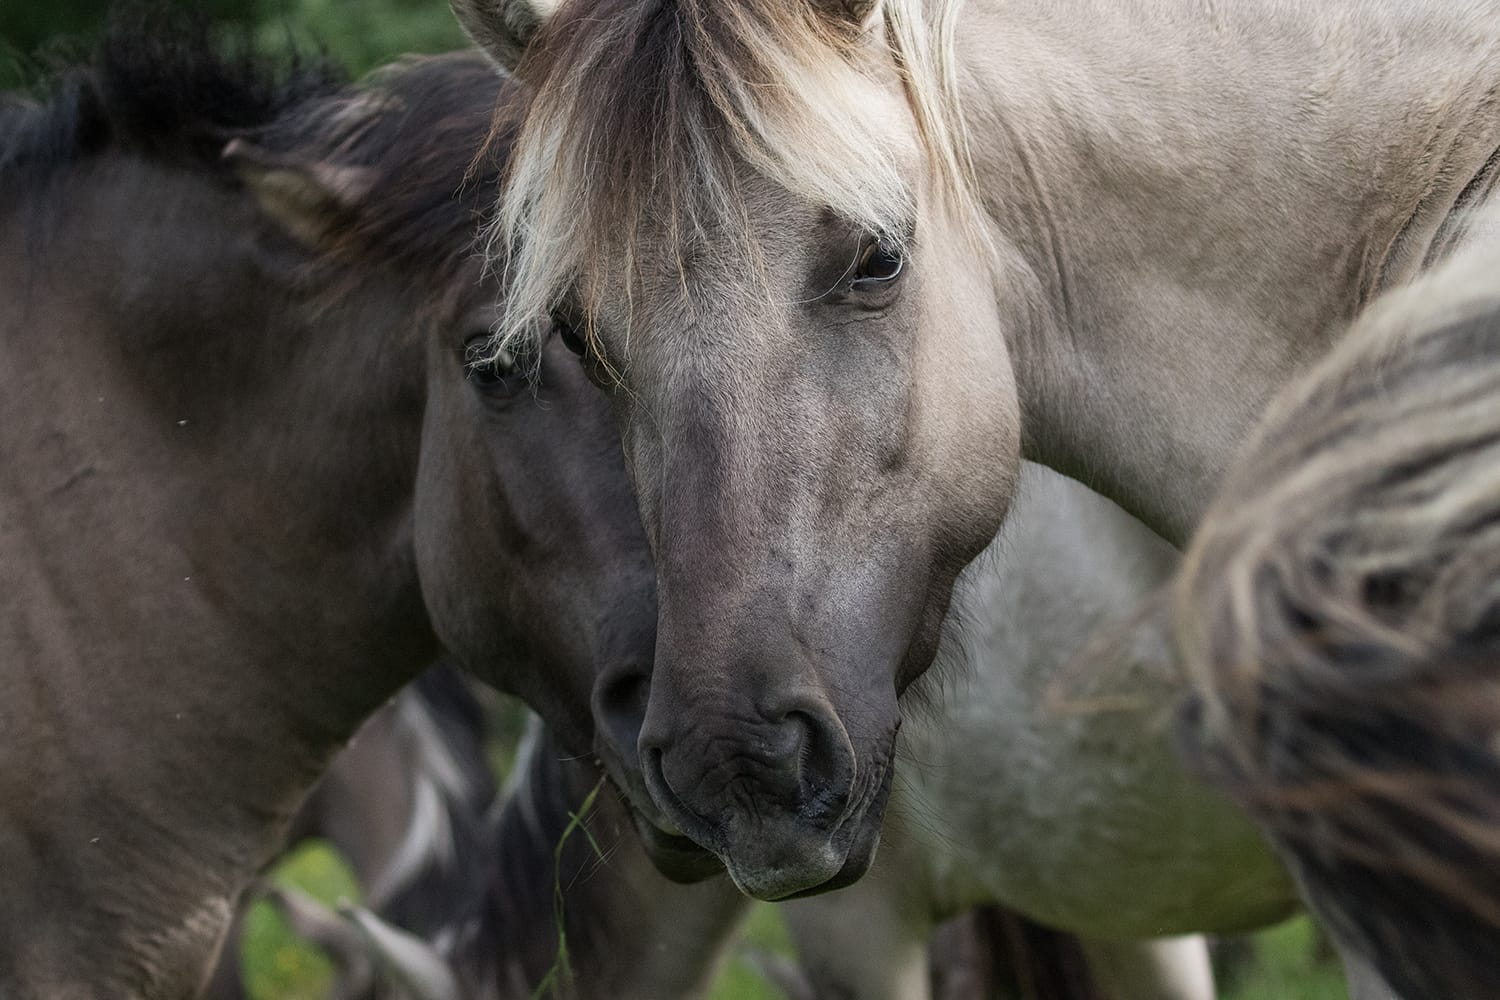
{"x":1175,"y":968}
{"x":866,"y":942}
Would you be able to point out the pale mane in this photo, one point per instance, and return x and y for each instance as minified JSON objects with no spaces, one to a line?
{"x":646,"y":110}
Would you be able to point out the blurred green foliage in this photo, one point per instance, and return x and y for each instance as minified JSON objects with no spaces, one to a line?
{"x":276,"y":964}
{"x":360,"y":34}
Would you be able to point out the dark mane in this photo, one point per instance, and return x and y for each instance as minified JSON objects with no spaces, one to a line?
{"x":160,"y":83}
{"x":426,"y":133}
{"x":176,"y":88}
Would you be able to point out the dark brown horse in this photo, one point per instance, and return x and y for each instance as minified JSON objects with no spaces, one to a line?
{"x":250,"y":482}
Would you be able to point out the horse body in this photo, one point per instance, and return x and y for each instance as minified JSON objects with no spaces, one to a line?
{"x":132,"y":753}
{"x":234,"y":368}
{"x":1087,"y":822}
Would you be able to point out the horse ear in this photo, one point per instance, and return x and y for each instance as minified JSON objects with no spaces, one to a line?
{"x":309,"y":199}
{"x":858,"y":14}
{"x":503,"y":28}
{"x":415,"y":966}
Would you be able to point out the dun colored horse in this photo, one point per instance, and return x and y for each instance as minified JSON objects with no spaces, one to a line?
{"x":847,"y":259}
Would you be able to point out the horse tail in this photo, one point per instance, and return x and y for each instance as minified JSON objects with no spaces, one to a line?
{"x":1339,"y":615}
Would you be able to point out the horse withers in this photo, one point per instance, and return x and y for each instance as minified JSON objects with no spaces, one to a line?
{"x":253,"y":480}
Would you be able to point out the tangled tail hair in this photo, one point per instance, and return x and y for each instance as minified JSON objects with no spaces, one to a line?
{"x":1339,"y":616}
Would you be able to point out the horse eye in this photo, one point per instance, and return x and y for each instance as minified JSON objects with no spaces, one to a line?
{"x":487,"y":367}
{"x":878,"y":264}
{"x":567,"y":330}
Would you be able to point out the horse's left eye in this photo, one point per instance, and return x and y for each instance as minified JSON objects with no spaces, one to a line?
{"x":488,"y":368}
{"x":880,"y":263}
{"x":567,"y":327}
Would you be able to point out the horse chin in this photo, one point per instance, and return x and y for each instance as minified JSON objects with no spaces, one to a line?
{"x":861,"y":855}
{"x":844,"y":856}
{"x":678,"y":858}
{"x":847,"y":862}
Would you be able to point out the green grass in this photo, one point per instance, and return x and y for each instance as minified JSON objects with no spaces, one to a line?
{"x":1289,"y":965}
{"x":739,"y":981}
{"x":275,"y":963}
{"x":1288,"y":962}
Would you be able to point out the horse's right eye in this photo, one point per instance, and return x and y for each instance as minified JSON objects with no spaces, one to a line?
{"x":878,"y":264}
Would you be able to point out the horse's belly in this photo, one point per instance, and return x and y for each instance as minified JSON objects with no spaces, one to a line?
{"x":1088,"y":825}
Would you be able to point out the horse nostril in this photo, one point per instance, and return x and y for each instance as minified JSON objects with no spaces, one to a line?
{"x":654,"y":768}
{"x":819,"y":756}
{"x":621,"y":702}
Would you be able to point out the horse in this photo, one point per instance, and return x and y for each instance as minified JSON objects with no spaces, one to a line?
{"x":285,"y":486}
{"x":847,"y":260}
{"x":1339,"y":611}
{"x":1040,"y":778}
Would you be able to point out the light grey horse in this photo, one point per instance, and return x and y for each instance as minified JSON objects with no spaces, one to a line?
{"x":1043,"y":779}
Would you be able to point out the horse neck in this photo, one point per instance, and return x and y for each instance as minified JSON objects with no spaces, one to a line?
{"x":1199,"y":197}
{"x":631,"y":934}
{"x":205,"y":496}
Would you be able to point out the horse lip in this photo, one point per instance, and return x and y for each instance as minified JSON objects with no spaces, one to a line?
{"x":862,"y":825}
{"x":857,"y":861}
{"x":677,"y":857}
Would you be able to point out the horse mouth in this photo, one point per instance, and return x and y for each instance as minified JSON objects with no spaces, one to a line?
{"x":857,"y":861}
{"x":849,"y":850}
{"x":681,"y":859}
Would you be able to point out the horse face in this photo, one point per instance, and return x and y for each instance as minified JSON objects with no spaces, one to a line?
{"x":529,"y":546}
{"x":817,"y":410}
{"x":812,"y":472}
